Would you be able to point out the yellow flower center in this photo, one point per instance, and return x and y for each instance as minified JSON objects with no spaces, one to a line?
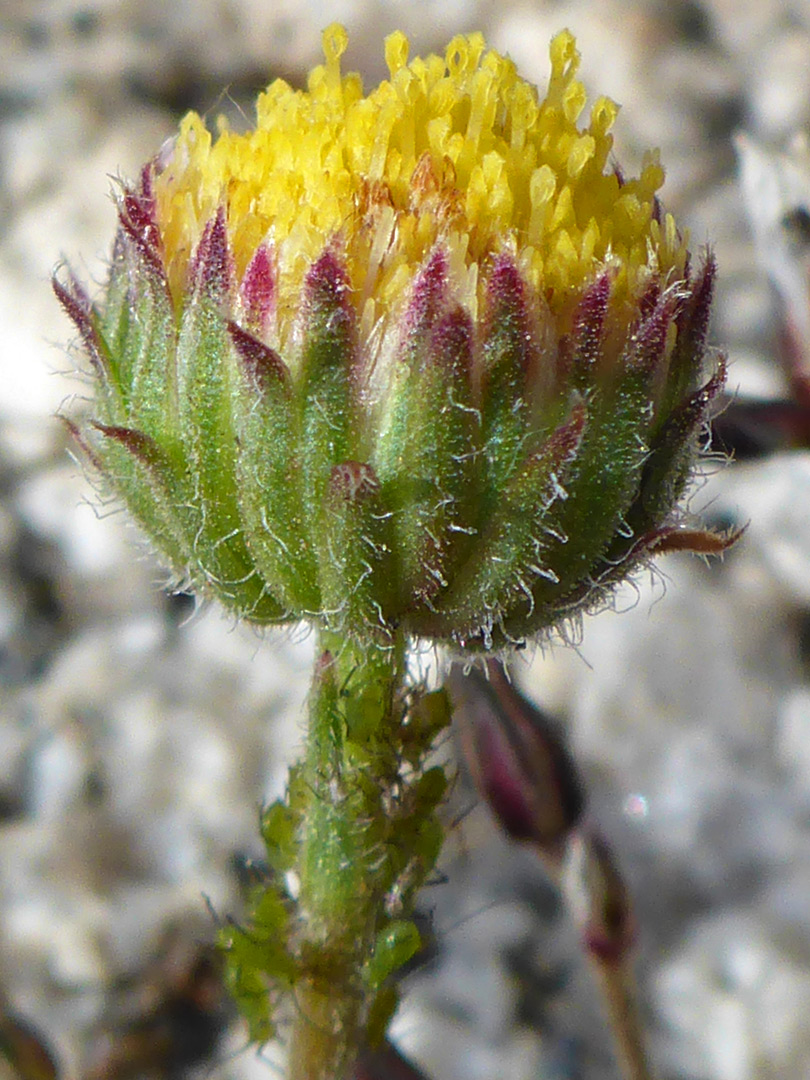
{"x":456,"y":148}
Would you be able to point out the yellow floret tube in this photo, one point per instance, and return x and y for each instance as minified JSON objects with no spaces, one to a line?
{"x":448,"y":146}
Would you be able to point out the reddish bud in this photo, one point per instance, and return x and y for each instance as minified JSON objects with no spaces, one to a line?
{"x":752,"y":429}
{"x":517,"y":759}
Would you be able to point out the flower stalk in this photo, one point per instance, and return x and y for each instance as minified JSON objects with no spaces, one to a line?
{"x":601,"y":901}
{"x":348,"y":772}
{"x":349,"y":848}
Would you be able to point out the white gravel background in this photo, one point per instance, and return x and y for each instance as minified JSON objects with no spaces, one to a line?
{"x":138,"y":737}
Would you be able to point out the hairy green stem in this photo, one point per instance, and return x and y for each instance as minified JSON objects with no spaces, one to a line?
{"x":349,"y":772}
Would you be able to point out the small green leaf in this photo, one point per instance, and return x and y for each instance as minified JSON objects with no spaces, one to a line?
{"x":279,"y":824}
{"x":395,"y":945}
{"x":428,"y":715}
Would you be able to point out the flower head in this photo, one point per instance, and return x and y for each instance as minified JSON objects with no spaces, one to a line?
{"x":419,"y":358}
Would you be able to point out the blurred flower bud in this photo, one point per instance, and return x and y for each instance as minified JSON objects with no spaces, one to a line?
{"x":600,"y":898}
{"x":516,"y":758}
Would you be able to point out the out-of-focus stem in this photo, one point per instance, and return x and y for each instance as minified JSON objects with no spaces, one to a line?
{"x":608,"y":926}
{"x":618,"y":986}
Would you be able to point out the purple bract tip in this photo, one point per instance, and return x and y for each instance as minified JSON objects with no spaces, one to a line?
{"x":211,"y":267}
{"x":428,"y":297}
{"x":452,"y":343}
{"x":136,"y":214}
{"x":698,"y":307}
{"x":263,"y":366}
{"x":648,"y":344}
{"x":589,"y":322}
{"x":258,"y":290}
{"x":326,"y":281}
{"x":140,"y":445}
{"x":76,"y":305}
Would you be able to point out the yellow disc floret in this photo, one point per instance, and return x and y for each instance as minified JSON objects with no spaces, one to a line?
{"x":455,"y":147}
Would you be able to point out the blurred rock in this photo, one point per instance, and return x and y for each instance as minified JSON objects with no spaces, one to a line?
{"x":139,"y":735}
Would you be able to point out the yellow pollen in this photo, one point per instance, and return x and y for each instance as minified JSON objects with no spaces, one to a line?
{"x":458,"y":149}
